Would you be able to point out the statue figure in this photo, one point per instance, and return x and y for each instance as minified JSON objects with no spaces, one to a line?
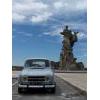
{"x":66,"y":57}
{"x":69,"y":38}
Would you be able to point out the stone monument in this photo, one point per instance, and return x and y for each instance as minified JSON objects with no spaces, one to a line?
{"x":67,"y":60}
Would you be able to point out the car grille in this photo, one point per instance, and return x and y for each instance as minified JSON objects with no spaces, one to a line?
{"x":36,"y":79}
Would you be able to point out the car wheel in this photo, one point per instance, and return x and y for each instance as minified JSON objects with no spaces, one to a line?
{"x":53,"y":90}
{"x":20,"y":90}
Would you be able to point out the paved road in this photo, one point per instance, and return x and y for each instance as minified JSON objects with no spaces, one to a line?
{"x":64,"y":91}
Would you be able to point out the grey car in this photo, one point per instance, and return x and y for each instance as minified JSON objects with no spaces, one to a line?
{"x":37,"y":73}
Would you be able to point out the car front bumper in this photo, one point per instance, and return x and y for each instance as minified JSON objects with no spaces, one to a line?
{"x":37,"y":86}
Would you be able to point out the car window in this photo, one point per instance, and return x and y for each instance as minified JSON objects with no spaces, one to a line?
{"x":36,"y":63}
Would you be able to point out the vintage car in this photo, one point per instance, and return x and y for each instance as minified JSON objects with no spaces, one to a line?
{"x":37,"y":73}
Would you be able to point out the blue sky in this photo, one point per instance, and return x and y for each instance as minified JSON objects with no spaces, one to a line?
{"x":37,"y":25}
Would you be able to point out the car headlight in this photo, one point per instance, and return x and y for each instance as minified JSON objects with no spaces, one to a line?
{"x":23,"y":78}
{"x":49,"y":78}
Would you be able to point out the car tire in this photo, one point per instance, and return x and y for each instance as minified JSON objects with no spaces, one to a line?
{"x":21,"y":90}
{"x":53,"y":90}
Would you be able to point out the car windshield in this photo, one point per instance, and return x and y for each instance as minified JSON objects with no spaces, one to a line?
{"x":36,"y":63}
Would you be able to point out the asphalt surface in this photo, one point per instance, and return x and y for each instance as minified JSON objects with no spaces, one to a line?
{"x":64,"y":91}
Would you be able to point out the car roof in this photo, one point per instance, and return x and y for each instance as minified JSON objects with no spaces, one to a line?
{"x":43,"y":59}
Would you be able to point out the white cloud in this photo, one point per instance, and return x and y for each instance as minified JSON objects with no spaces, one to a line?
{"x":41,"y":11}
{"x":18,"y":17}
{"x":55,"y":32}
{"x":25,"y":34}
{"x":60,"y":4}
{"x":28,"y":34}
{"x":82,"y":35}
{"x":37,"y":12}
{"x":69,"y":5}
{"x":81,"y":5}
{"x":29,"y":8}
{"x":41,"y":18}
{"x":30,"y":11}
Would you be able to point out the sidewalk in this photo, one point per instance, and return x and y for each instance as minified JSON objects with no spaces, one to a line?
{"x":78,"y":80}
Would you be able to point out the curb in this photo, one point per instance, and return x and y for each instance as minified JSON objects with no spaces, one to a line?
{"x":81,"y":92}
{"x":70,"y":71}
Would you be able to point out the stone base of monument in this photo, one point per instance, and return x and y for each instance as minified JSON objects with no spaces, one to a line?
{"x":76,"y":66}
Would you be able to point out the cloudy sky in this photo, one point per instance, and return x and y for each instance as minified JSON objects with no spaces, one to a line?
{"x":37,"y":25}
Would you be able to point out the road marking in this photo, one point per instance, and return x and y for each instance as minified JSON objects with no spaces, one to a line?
{"x":15,"y":83}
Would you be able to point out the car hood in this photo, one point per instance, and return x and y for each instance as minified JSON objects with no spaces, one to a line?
{"x":37,"y":72}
